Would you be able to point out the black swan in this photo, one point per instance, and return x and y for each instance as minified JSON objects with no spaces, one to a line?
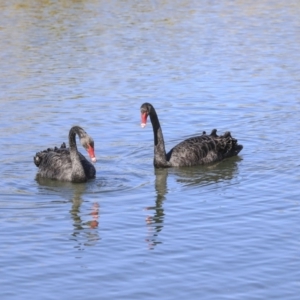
{"x":67,"y":164}
{"x":192,"y":151}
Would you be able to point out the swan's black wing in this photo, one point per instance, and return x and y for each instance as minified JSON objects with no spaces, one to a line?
{"x":203,"y":149}
{"x":54,"y":163}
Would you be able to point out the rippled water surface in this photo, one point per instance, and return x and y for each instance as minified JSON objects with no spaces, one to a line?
{"x":223,"y":231}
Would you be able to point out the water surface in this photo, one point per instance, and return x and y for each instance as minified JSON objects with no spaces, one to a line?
{"x":223,"y":231}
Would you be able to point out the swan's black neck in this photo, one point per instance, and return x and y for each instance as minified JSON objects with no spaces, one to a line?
{"x":78,"y":173}
{"x":160,"y":159}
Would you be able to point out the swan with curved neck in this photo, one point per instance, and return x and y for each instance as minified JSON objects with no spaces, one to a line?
{"x":193,"y":151}
{"x":67,"y":164}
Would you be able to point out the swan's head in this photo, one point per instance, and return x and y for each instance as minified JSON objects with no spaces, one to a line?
{"x":146,"y":109}
{"x":88,"y":144}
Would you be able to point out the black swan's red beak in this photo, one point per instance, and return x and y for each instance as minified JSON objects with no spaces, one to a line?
{"x":91,"y":153}
{"x":144,"y":119}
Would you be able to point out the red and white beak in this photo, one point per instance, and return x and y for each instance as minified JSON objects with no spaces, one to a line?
{"x":91,"y":153}
{"x":144,"y":119}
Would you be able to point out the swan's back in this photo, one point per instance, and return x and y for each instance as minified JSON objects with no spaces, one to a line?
{"x":203,"y":149}
{"x":55,"y":163}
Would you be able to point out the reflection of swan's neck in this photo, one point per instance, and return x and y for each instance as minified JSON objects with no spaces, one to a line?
{"x":161,"y":185}
{"x":159,"y":144}
{"x":77,"y":169}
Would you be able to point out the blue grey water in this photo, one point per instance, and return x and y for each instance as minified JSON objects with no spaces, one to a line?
{"x":224,"y":231}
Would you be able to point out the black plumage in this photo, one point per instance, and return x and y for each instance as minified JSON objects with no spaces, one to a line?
{"x":67,"y":164}
{"x":193,"y":151}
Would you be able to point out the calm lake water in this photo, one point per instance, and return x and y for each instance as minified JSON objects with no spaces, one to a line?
{"x":223,"y":231}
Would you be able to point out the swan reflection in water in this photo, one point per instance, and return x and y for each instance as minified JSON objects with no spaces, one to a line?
{"x":224,"y":171}
{"x":155,"y":222}
{"x":84,"y":232}
{"x":199,"y":176}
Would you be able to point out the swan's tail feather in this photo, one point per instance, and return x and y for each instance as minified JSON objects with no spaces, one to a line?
{"x":37,"y":159}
